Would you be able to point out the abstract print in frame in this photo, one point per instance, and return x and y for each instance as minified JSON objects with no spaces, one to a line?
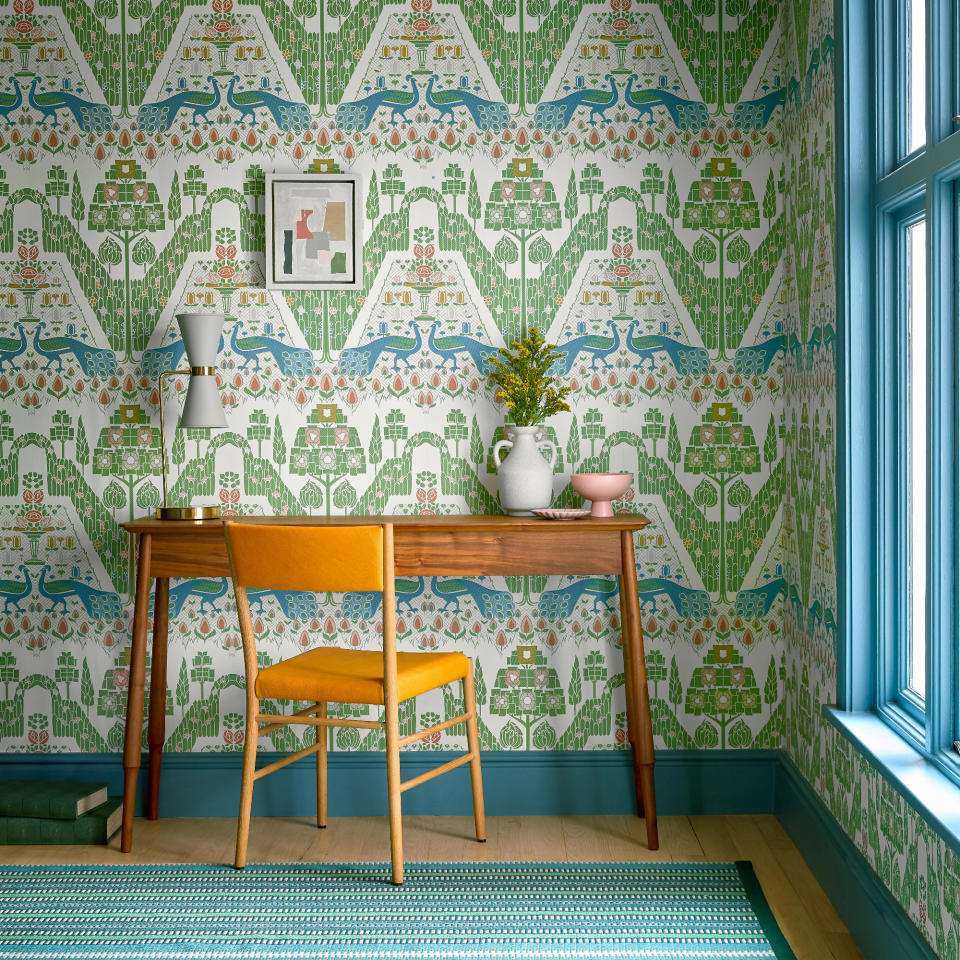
{"x":313,"y":232}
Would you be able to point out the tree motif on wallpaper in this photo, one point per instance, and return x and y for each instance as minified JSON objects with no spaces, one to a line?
{"x":476,"y":208}
{"x":524,"y":206}
{"x":721,"y":449}
{"x":126,"y":208}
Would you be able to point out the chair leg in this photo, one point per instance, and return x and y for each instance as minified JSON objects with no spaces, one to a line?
{"x":322,"y":769}
{"x":473,"y":742}
{"x":246,"y":790}
{"x":392,"y":729}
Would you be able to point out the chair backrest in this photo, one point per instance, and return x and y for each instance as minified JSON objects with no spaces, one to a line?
{"x":306,"y":557}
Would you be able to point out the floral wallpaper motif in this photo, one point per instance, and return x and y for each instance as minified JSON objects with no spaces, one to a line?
{"x":651,"y":184}
{"x":910,"y":858}
{"x":578,"y":166}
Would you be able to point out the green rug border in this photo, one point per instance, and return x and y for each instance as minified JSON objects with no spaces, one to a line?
{"x":764,"y":914}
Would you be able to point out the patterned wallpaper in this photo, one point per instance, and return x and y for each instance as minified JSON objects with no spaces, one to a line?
{"x":651,"y":184}
{"x":579,"y":166}
{"x":911,"y":860}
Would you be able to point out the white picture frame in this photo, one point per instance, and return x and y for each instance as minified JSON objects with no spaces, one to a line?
{"x":313,"y":231}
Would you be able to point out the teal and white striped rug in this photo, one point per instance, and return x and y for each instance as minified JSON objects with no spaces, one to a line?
{"x":309,"y":911}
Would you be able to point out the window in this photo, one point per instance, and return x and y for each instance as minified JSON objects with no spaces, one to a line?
{"x":899,"y":252}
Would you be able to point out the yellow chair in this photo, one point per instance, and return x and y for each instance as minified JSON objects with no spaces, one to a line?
{"x":338,"y":559}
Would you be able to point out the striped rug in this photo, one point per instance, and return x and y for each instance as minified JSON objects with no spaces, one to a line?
{"x":307,"y":911}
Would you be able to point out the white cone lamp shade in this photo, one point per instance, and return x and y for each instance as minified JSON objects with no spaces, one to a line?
{"x":201,"y":342}
{"x":202,"y":407}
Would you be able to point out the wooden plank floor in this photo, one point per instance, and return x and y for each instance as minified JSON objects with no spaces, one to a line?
{"x":804,"y":913}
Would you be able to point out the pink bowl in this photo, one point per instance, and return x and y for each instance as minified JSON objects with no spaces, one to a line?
{"x":601,"y":488}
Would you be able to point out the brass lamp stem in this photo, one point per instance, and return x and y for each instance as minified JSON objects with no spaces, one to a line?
{"x":163,"y":445}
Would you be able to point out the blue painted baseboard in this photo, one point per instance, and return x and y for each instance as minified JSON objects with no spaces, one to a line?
{"x":537,"y":783}
{"x":515,"y":783}
{"x":869,"y":911}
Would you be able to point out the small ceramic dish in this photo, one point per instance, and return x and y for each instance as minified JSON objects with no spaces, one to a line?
{"x":561,"y":513}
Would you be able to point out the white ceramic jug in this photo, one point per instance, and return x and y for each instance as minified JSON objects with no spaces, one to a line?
{"x":525,"y":478}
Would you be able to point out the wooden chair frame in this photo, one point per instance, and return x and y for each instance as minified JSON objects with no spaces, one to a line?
{"x":316,"y":716}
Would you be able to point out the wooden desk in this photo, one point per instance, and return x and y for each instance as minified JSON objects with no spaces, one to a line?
{"x":423,"y":547}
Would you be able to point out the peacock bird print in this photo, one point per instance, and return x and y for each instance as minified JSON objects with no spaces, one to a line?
{"x":450,"y":347}
{"x":597,"y":346}
{"x":90,"y":117}
{"x":10,"y":103}
{"x":559,"y":604}
{"x":99,"y":604}
{"x":686,"y":114}
{"x":292,"y":361}
{"x":11,"y":348}
{"x":687,"y":601}
{"x":13,"y":592}
{"x":495,"y":604}
{"x":94,"y":361}
{"x":360,"y":361}
{"x":688,"y":360}
{"x":289,"y":116}
{"x":357,"y":114}
{"x":157,"y":360}
{"x":756,"y":114}
{"x":364,"y":604}
{"x":755,"y":359}
{"x":486,"y":114}
{"x":158,"y":117}
{"x":557,"y":114}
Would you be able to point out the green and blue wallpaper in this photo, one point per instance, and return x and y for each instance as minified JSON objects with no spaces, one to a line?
{"x":582,"y":167}
{"x":651,"y":184}
{"x":911,"y":859}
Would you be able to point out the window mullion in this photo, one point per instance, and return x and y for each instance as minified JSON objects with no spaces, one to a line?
{"x":941,"y":652}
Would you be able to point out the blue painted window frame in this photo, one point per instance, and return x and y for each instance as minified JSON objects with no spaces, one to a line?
{"x":881,"y":192}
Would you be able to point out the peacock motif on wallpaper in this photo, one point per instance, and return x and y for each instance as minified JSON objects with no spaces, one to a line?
{"x":491,"y":603}
{"x":686,"y":114}
{"x":450,"y":347}
{"x":289,"y":116}
{"x":94,"y":361}
{"x":599,"y":347}
{"x":292,"y":361}
{"x":158,"y":117}
{"x":90,"y":117}
{"x":11,"y":102}
{"x":13,"y":591}
{"x":99,"y":604}
{"x":557,"y":114}
{"x":688,"y":359}
{"x":490,"y":115}
{"x":360,"y":361}
{"x":11,"y":348}
{"x":356,"y":114}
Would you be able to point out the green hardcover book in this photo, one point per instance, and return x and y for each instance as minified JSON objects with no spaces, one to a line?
{"x":97,"y":826}
{"x":49,"y":799}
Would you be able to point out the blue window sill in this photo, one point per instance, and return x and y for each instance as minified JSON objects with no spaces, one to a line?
{"x":934,"y":796}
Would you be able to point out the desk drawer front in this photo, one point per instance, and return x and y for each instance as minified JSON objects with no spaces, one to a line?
{"x":477,"y":553}
{"x":189,"y":554}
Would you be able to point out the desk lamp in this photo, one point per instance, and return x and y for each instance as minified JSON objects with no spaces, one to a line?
{"x":202,"y":407}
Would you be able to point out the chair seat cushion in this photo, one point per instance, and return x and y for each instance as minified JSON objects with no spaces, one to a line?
{"x":334,"y":675}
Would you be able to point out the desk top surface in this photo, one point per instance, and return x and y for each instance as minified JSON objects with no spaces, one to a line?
{"x":488,"y":523}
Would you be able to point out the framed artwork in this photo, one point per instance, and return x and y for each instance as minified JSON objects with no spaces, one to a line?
{"x":313,"y":231}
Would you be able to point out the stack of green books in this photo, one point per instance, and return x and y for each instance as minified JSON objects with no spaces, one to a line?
{"x":35,"y":811}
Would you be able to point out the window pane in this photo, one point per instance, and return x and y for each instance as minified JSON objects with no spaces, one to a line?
{"x":916,"y":54}
{"x":916,"y":303}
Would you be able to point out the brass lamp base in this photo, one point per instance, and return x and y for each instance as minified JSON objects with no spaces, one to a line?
{"x":188,"y":513}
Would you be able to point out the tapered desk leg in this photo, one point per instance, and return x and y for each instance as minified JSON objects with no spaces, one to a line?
{"x":156,"y":730}
{"x":643,"y":755}
{"x":138,"y":661}
{"x":629,"y":687}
